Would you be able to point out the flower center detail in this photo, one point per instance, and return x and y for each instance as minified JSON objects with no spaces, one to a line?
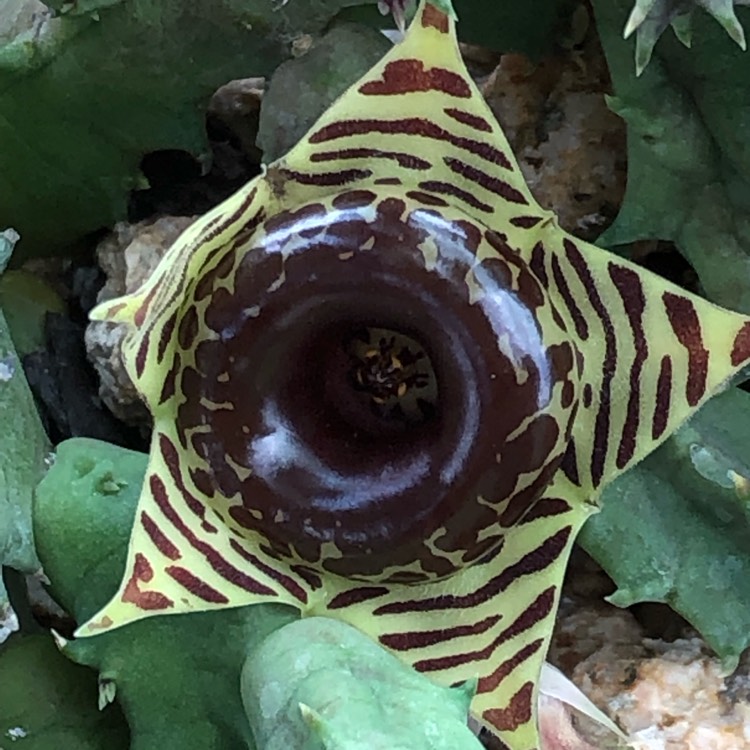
{"x":394,"y":371}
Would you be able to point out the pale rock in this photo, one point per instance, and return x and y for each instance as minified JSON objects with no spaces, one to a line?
{"x":664,"y":695}
{"x":570,"y":146}
{"x":128,"y":256}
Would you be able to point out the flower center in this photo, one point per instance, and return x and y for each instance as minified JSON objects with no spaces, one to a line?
{"x":393,"y":370}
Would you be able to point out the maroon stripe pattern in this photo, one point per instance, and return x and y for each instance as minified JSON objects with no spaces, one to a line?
{"x":326,"y":179}
{"x":195,"y":585}
{"x":663,"y":398}
{"x":284,"y":580}
{"x":630,"y":289}
{"x":493,"y":680}
{"x":410,"y":76}
{"x":467,"y":118}
{"x":535,"y":612}
{"x":448,"y":188}
{"x":488,"y":182}
{"x":215,"y":560}
{"x":417,"y":126}
{"x":581,"y":326}
{"x":158,"y":537}
{"x":533,"y":562}
{"x":407,"y":641}
{"x":687,"y":328}
{"x":602,"y":421}
{"x":357,"y":596}
{"x":407,"y":161}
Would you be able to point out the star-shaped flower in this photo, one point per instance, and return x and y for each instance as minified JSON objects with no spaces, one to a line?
{"x":388,"y":388}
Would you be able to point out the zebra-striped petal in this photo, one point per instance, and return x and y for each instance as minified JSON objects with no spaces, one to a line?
{"x":388,"y":388}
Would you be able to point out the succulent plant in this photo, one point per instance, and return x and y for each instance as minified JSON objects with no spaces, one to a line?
{"x":387,"y":388}
{"x":650,"y":18}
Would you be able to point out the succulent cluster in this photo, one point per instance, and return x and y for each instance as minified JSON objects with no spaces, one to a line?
{"x":388,"y":389}
{"x":650,"y":18}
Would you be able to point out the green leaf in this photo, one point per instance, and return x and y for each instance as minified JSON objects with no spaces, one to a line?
{"x":176,"y":678}
{"x":23,"y":450}
{"x":676,"y":528}
{"x":529,"y":28}
{"x":85,"y":96}
{"x":688,"y":117}
{"x":26,"y":299}
{"x":48,"y":703}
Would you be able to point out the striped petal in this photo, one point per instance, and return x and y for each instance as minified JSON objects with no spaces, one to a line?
{"x":407,"y":176}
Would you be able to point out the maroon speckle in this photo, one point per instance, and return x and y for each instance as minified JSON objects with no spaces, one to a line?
{"x":408,"y":76}
{"x":435,"y":19}
{"x":663,"y":398}
{"x":158,"y":537}
{"x":148,"y":600}
{"x":741,"y":348}
{"x":687,"y":327}
{"x":195,"y":585}
{"x":467,"y":118}
{"x":488,"y":182}
{"x":517,"y":712}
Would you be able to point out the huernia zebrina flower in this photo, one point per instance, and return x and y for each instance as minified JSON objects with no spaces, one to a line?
{"x":388,"y":388}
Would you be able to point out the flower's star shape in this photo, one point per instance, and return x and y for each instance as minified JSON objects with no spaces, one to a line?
{"x":388,"y":388}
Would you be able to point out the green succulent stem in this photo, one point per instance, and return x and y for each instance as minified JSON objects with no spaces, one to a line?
{"x":320,"y":684}
{"x":24,"y":446}
{"x":650,"y":18}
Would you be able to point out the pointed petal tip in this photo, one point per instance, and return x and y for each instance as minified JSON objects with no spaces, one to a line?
{"x":111,"y":311}
{"x":97,"y":624}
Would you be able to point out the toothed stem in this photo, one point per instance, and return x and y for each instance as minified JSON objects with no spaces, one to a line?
{"x":321,"y":684}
